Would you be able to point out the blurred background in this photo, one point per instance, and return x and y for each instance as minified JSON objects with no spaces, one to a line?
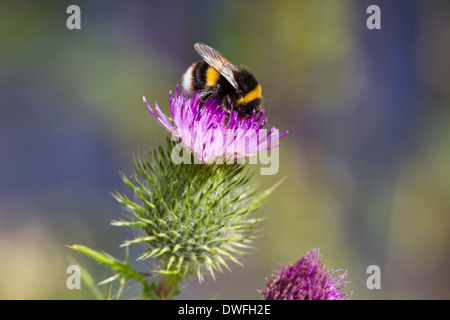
{"x":367,"y":157}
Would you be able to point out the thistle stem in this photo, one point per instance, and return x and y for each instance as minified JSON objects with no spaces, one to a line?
{"x":167,"y":287}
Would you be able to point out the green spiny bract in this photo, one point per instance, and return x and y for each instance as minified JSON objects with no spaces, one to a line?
{"x":191,"y":217}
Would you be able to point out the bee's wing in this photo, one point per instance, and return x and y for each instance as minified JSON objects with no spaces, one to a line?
{"x":216,"y":60}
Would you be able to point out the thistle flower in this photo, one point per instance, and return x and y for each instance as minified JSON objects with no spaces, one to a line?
{"x":211,"y":133}
{"x":306,"y":279}
{"x":191,"y":219}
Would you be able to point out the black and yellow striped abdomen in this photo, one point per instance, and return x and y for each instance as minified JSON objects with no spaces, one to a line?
{"x":198,"y":76}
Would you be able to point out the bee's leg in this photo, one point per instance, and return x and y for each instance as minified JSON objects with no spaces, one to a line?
{"x":227,"y":104}
{"x":208,"y":94}
{"x":204,"y":96}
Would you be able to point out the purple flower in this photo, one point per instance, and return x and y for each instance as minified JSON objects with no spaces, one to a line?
{"x":211,"y":133}
{"x":306,"y":279}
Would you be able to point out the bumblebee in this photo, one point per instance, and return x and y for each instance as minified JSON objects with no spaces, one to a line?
{"x":217,"y":78}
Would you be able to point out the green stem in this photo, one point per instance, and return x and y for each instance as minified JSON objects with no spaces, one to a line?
{"x":167,"y":287}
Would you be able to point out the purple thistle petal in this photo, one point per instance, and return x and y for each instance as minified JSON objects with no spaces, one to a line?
{"x":161,"y":118}
{"x":213,"y":133}
{"x":306,"y":279}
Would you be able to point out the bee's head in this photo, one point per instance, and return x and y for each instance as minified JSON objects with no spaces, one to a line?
{"x":249,"y":108}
